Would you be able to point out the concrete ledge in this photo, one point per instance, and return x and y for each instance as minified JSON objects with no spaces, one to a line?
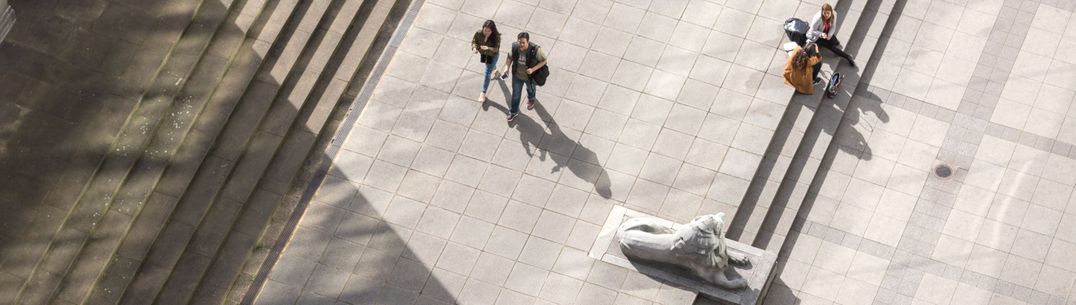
{"x":606,"y":248}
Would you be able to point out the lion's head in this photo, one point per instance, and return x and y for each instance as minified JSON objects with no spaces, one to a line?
{"x":712,"y":224}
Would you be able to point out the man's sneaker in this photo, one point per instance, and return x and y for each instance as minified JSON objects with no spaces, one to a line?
{"x":817,"y":80}
{"x":530,"y":104}
{"x":511,"y":116}
{"x":482,"y":97}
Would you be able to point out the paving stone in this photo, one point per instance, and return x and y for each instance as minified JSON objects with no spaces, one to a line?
{"x":593,"y":294}
{"x":625,"y":17}
{"x":280,"y":294}
{"x":647,"y":195}
{"x":561,"y":289}
{"x":573,"y":263}
{"x":472,"y":232}
{"x":636,"y":135}
{"x":458,"y":258}
{"x":438,"y":222}
{"x":506,"y":242}
{"x":526,"y":279}
{"x":327,"y":280}
{"x":486,"y":206}
{"x":510,"y":297}
{"x":540,"y":252}
{"x":405,"y":212}
{"x":447,"y":286}
{"x":632,"y":75}
{"x":478,"y":292}
{"x":660,"y":169}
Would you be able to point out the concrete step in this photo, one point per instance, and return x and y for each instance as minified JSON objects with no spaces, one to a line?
{"x":822,"y":132}
{"x":201,"y":193}
{"x":776,"y":166}
{"x":279,"y":190}
{"x":304,"y":82}
{"x":263,"y":28}
{"x":128,"y":148}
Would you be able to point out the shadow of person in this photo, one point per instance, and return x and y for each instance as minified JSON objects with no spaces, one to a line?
{"x":868,"y":101}
{"x":857,"y":104}
{"x":580,"y":161}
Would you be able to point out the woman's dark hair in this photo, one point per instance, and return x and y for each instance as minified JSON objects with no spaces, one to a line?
{"x":523,"y":35}
{"x":799,"y":61}
{"x":811,"y":48}
{"x":495,"y":35}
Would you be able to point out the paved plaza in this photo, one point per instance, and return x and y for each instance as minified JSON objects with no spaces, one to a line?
{"x":668,"y":107}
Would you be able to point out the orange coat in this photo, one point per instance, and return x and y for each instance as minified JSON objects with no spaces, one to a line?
{"x":801,"y":80}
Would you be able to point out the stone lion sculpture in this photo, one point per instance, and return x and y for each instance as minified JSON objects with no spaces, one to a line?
{"x":699,"y":246}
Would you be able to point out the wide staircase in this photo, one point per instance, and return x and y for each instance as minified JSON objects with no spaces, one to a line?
{"x":813,"y":130}
{"x":809,"y":135}
{"x":210,"y":162}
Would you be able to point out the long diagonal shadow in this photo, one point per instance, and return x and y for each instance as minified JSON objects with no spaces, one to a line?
{"x":532,"y":133}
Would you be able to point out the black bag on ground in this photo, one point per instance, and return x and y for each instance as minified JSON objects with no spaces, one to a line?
{"x":834,"y":85}
{"x":796,"y":30}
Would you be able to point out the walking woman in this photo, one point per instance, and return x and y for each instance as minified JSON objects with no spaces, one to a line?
{"x":525,"y":59}
{"x":801,"y":70}
{"x":486,"y":42}
{"x":823,"y":28}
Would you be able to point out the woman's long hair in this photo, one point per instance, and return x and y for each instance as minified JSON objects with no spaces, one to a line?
{"x":494,"y":35}
{"x":827,"y":7}
{"x":799,"y":61}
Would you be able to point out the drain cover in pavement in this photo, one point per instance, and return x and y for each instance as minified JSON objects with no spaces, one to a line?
{"x":943,"y":171}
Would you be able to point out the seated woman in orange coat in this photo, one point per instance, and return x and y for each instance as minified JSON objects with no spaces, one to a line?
{"x":801,"y":70}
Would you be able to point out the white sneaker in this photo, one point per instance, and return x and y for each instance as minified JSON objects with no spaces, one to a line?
{"x":482,"y":97}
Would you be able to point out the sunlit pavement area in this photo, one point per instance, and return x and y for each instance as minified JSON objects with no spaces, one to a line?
{"x":671,"y":108}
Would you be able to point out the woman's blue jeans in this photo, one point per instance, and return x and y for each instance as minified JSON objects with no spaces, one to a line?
{"x":491,"y":65}
{"x":517,"y":87}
